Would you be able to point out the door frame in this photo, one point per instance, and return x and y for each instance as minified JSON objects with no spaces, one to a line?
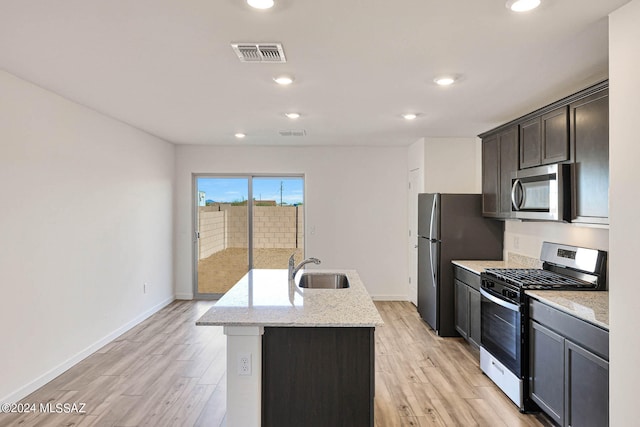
{"x":194,"y":219}
{"x":415,"y":179}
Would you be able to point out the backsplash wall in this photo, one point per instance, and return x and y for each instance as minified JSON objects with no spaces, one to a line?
{"x":526,"y":237}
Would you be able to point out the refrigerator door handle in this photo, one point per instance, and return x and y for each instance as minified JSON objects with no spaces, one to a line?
{"x":433,"y":214}
{"x":433,"y":271}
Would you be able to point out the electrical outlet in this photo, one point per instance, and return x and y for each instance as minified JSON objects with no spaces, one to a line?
{"x":516,"y":242}
{"x":244,"y":363}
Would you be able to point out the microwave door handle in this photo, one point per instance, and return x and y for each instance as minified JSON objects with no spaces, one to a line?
{"x":517,"y":205}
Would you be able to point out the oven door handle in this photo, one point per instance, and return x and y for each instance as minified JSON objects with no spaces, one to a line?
{"x":500,"y":301}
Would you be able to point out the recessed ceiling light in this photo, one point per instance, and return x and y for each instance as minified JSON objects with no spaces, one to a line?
{"x":409,"y":116}
{"x":292,"y":115}
{"x":240,"y":135}
{"x":260,"y":4}
{"x":283,"y":80}
{"x":522,"y":5}
{"x":444,"y":80}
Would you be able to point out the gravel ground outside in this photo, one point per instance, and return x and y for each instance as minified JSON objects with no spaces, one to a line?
{"x":220,"y":271}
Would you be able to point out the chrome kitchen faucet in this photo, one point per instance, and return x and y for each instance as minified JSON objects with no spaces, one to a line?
{"x":293,"y":270}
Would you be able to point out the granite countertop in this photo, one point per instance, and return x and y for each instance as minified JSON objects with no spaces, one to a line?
{"x":478,"y":267}
{"x":514,"y":260}
{"x":591,"y":306}
{"x":265,"y":298}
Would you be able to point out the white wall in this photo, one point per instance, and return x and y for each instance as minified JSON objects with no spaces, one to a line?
{"x":443,"y":165}
{"x":452,"y":165}
{"x":356,"y":201}
{"x":526,"y":238}
{"x":415,"y":156}
{"x":624,"y":245}
{"x":86,"y":218}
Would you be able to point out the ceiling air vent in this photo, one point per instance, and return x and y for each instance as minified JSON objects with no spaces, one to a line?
{"x":259,"y":52}
{"x":293,"y":132}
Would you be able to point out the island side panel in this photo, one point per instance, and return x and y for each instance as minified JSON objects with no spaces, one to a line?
{"x":318,"y":376}
{"x":244,"y":388}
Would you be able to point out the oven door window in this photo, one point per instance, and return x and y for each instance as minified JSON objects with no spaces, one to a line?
{"x":501,"y":334}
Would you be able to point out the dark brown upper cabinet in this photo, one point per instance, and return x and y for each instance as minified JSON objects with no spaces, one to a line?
{"x":589,"y":119}
{"x":545,"y":139}
{"x":508,"y":140}
{"x":490,"y":176}
{"x":573,"y":130}
{"x":499,"y":163}
{"x":530,"y":143}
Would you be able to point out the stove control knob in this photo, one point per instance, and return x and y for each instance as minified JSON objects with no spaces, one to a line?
{"x":509,"y":294}
{"x":488,"y":284}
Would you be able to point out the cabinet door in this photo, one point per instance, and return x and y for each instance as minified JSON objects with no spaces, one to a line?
{"x":490,"y":180}
{"x":555,"y":136}
{"x":589,"y":119}
{"x":546,"y":376}
{"x":318,"y":376}
{"x":508,"y":146}
{"x":462,"y":308}
{"x":530,"y":143}
{"x":474,"y":317}
{"x":587,"y":388}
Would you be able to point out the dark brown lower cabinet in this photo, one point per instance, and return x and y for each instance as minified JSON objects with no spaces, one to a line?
{"x":467,"y":305}
{"x":587,"y":383}
{"x":546,"y":384}
{"x":317,"y":376}
{"x":569,"y":370}
{"x":474,"y":318}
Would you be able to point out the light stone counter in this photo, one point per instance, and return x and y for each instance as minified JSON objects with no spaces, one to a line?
{"x":264,"y":298}
{"x":478,"y":267}
{"x":591,"y":306}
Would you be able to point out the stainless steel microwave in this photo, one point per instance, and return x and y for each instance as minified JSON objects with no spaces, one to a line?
{"x":542,"y":193}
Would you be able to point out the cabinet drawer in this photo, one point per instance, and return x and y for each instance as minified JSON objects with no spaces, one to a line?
{"x":581,"y":332}
{"x":467,"y":277}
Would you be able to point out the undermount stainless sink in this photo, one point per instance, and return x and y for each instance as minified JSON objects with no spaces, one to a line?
{"x":324,"y":281}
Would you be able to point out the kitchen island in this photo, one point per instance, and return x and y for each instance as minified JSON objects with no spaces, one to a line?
{"x":297,"y":356}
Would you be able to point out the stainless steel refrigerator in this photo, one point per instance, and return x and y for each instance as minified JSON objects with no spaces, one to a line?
{"x":450,"y":227}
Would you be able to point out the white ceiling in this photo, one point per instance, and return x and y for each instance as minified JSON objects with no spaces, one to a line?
{"x":167,"y":67}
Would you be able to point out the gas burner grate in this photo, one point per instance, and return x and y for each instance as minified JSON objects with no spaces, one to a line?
{"x":536,"y":278}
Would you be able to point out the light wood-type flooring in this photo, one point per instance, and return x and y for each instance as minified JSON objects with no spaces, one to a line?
{"x":169,"y":372}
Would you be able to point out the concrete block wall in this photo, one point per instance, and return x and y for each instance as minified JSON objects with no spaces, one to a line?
{"x":237,"y":227}
{"x":212,"y":226}
{"x":275,"y":227}
{"x":225,"y":226}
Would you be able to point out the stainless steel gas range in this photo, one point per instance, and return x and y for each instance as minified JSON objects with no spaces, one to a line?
{"x":504,"y":352}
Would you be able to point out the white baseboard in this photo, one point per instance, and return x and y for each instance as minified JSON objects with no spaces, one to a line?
{"x":390,"y":298}
{"x":64,"y":366}
{"x":184,"y":296}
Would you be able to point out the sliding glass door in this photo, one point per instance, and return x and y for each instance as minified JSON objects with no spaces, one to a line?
{"x":278,"y":221}
{"x":222,"y":233}
{"x":244,"y":222}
